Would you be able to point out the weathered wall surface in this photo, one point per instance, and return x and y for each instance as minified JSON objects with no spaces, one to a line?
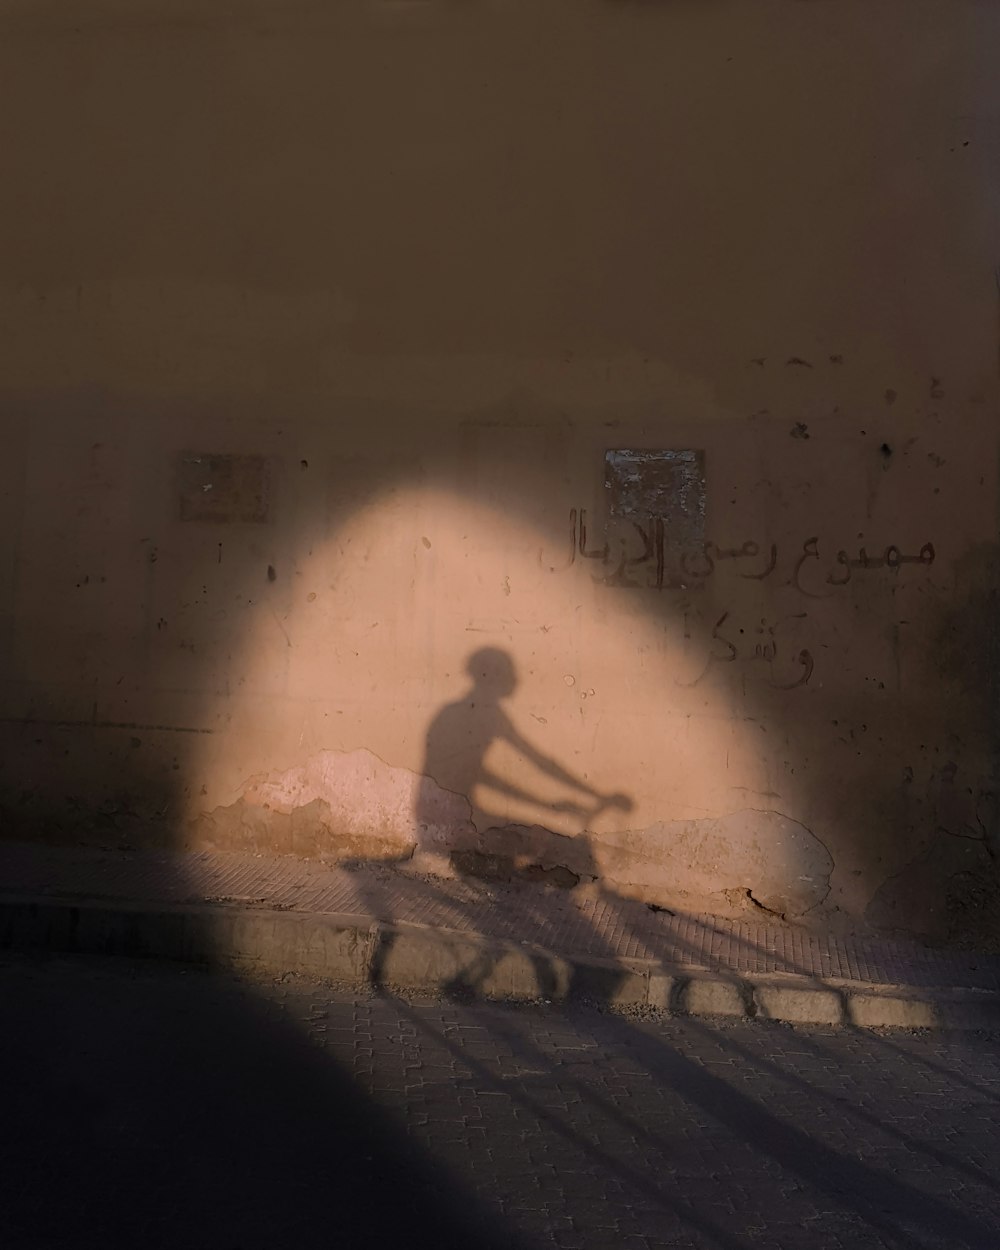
{"x":318,"y":323}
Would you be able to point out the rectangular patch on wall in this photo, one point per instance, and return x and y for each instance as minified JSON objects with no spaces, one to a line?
{"x":655,"y":504}
{"x":669,"y":485}
{"x":223,"y":488}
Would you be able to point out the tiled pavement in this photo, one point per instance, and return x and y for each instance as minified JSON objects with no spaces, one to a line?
{"x":148,"y":1106}
{"x":560,"y":921}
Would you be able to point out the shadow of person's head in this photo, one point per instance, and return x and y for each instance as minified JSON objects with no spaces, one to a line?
{"x":493,"y":674}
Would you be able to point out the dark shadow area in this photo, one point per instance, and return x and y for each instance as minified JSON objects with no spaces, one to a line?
{"x":145,"y":1106}
{"x":192,"y":1110}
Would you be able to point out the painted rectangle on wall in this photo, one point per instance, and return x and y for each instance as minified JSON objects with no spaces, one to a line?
{"x":664,"y":484}
{"x":223,"y":488}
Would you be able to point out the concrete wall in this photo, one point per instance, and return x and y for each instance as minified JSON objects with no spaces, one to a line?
{"x":318,"y":322}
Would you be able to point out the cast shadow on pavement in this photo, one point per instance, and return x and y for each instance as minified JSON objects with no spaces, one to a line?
{"x":190,"y":1112}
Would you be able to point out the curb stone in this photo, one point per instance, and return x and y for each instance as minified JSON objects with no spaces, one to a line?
{"x":359,"y":950}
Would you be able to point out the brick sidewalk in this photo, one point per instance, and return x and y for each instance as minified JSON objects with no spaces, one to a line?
{"x":146,"y":1107}
{"x":563,"y":922}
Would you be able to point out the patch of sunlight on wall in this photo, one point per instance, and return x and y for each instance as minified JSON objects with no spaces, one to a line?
{"x":367,"y":638}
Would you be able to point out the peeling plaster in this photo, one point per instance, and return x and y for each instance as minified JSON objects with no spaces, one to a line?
{"x":782,"y":864}
{"x":358,"y":807}
{"x":353,"y":805}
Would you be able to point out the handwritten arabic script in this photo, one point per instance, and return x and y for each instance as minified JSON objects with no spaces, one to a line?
{"x":638,"y":554}
{"x":891,"y":558}
{"x":786,"y":669}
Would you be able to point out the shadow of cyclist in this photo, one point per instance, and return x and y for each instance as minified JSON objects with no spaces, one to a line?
{"x":460,"y":741}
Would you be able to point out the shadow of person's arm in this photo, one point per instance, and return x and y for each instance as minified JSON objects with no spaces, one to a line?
{"x":492,"y":781}
{"x":579,"y":811}
{"x":552,"y":768}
